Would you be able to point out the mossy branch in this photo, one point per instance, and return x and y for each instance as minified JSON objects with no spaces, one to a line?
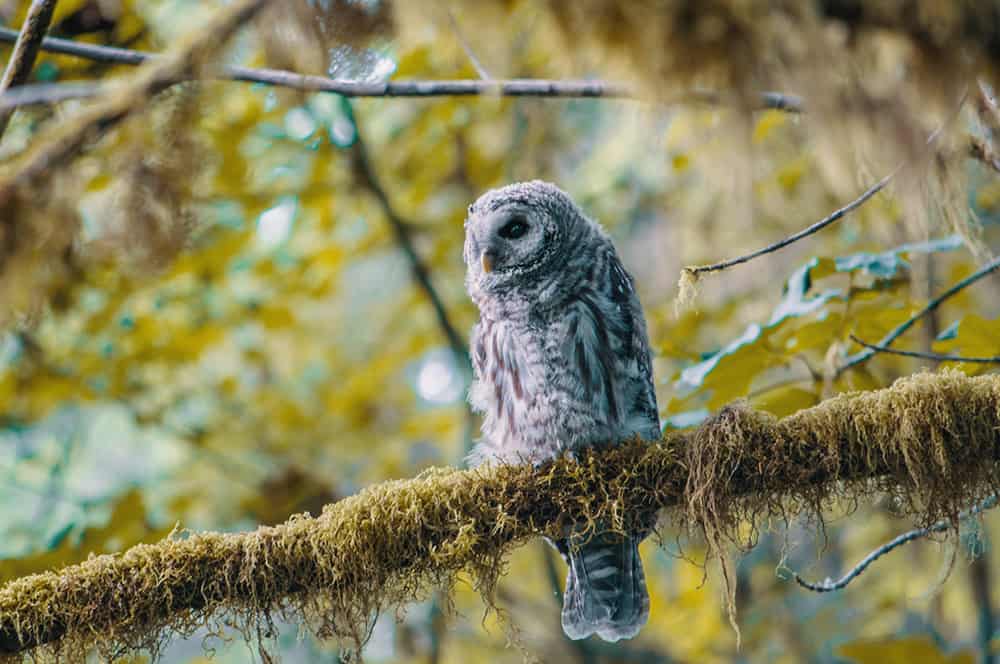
{"x":932,"y":440}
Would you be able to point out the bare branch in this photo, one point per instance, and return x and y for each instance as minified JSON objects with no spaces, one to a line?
{"x":524,"y":87}
{"x":694,"y":271}
{"x":401,"y":231}
{"x":93,"y":52}
{"x":814,"y":228}
{"x":22,"y":59}
{"x":65,"y":141}
{"x":887,"y":340}
{"x":46,"y":94}
{"x":421,"y":273}
{"x":830,"y":585}
{"x":940,"y":357}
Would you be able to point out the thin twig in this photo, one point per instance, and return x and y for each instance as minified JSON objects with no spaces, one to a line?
{"x":987,"y":109}
{"x":518,"y":87}
{"x":476,"y":64}
{"x":66,"y":140}
{"x":830,"y":585}
{"x":984,"y":152}
{"x":939,"y":357}
{"x":22,"y":59}
{"x":46,"y":94}
{"x":816,"y":227}
{"x":896,"y":332}
{"x":696,"y":270}
{"x":401,"y":231}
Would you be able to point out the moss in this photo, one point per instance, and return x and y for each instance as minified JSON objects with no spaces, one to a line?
{"x":877,"y":77}
{"x":39,"y":192}
{"x":687,"y":290}
{"x":930,"y":440}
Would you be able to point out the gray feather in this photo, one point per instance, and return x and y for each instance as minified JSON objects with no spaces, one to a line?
{"x":561,"y":361}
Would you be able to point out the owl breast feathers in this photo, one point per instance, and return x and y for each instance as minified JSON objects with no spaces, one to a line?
{"x":561,"y":362}
{"x":560,"y":352}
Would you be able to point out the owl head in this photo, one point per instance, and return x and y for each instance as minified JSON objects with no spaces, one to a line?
{"x":517,"y":234}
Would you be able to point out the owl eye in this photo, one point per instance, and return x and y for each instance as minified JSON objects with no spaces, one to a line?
{"x":514,"y":228}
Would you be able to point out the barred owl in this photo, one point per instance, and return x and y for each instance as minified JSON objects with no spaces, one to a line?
{"x":561,"y":362}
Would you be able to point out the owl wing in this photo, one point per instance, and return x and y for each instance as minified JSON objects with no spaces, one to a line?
{"x":607,"y":345}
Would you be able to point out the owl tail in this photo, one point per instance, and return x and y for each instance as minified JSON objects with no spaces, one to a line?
{"x":605,"y":589}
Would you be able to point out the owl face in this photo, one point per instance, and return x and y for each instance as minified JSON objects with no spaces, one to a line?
{"x":513,"y":233}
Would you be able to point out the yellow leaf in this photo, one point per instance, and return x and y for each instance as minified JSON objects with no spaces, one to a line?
{"x":814,"y":334}
{"x":768,"y":122}
{"x":415,"y":62}
{"x":785,"y":400}
{"x":919,"y":649}
{"x":976,"y":336}
{"x":275,"y":317}
{"x":988,"y":196}
{"x":790,"y":175}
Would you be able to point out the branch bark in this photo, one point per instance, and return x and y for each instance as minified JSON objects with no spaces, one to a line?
{"x":886,"y":341}
{"x":695,"y":270}
{"x":923,"y":355}
{"x":22,"y":59}
{"x":520,"y":87}
{"x":63,"y":143}
{"x":934,"y":439}
{"x":918,"y":533}
{"x":401,"y":231}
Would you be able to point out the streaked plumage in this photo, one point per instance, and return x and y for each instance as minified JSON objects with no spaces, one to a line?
{"x":561,"y":362}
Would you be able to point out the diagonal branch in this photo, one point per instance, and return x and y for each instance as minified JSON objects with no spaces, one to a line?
{"x":691,"y":273}
{"x":938,"y":357}
{"x":941,"y":526}
{"x":931,"y":438}
{"x":696,"y":270}
{"x":421,"y":273}
{"x":898,"y":331}
{"x":65,"y":141}
{"x":22,"y":59}
{"x":401,"y":231}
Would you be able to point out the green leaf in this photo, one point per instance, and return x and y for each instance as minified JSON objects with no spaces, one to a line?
{"x":886,"y":264}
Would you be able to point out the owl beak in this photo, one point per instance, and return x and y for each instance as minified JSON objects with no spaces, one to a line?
{"x":488,"y":259}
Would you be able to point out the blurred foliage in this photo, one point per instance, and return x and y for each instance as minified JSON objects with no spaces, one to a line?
{"x":237,"y":337}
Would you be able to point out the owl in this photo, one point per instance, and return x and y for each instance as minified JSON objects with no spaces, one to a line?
{"x":561,"y":362}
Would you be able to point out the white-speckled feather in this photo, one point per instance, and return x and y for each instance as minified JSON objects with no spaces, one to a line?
{"x":561,"y":361}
